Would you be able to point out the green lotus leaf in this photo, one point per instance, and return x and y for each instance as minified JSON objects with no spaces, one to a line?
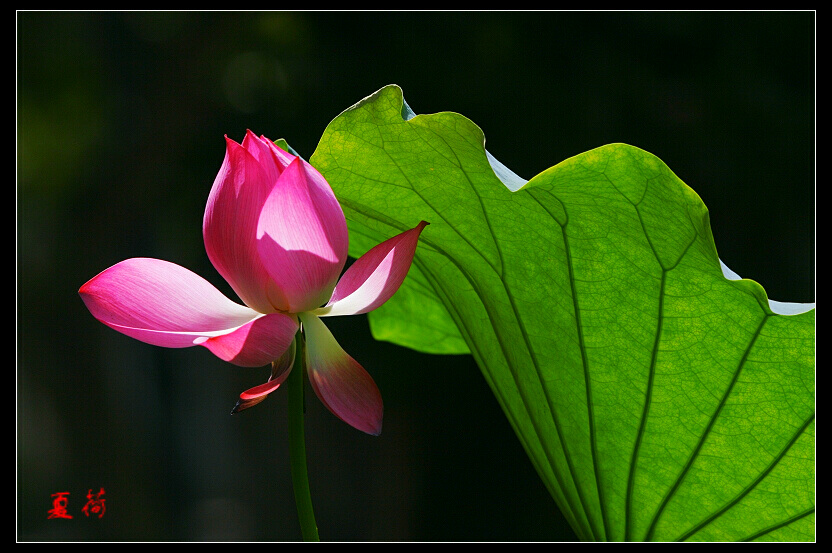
{"x":659,"y":396}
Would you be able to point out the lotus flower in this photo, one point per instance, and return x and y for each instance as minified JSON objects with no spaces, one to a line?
{"x":274,"y":230}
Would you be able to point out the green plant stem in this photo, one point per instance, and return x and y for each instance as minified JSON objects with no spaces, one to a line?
{"x":297,"y":446}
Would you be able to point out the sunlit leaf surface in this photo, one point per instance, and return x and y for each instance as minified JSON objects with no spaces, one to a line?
{"x":657,"y":399}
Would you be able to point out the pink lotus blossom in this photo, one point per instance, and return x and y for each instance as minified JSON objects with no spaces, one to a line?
{"x":274,"y":230}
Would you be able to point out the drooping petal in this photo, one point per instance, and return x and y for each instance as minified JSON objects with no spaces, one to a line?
{"x":374,"y":277}
{"x":229,"y":226}
{"x":164,"y":304}
{"x":339,"y":381}
{"x":280,"y":372}
{"x":302,"y":237}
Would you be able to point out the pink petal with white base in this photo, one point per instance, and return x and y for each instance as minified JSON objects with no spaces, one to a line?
{"x":375,"y":276}
{"x":339,"y":381}
{"x":164,"y":304}
{"x":230,"y":223}
{"x":302,"y":237}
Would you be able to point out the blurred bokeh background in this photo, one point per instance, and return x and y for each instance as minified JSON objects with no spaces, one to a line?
{"x":120,"y":124}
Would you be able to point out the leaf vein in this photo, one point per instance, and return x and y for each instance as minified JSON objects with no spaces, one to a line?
{"x":751,"y":486}
{"x":692,"y":458}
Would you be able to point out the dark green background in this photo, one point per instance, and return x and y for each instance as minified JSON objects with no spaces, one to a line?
{"x":120,"y":122}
